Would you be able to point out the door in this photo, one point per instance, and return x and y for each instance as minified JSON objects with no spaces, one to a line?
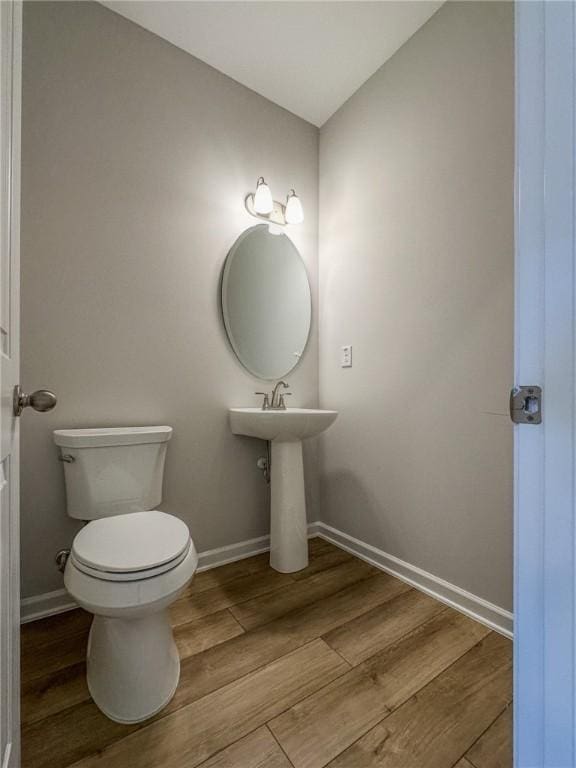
{"x":10,"y":67}
{"x":545,"y":468}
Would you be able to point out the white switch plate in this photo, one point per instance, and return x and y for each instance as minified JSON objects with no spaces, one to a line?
{"x":346,"y":356}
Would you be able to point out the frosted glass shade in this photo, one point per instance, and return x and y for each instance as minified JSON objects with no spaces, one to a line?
{"x":294,"y":213}
{"x":263,"y":202}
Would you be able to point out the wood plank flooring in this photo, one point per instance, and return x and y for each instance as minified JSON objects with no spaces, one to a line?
{"x":338,"y":665}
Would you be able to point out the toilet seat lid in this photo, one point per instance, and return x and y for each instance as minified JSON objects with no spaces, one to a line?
{"x":130,"y":543}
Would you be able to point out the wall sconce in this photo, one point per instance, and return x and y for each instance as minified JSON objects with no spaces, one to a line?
{"x":261,"y":205}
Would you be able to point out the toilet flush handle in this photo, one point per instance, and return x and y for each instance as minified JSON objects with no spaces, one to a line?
{"x":42,"y":400}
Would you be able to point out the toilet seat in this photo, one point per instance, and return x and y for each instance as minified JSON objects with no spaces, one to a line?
{"x":129,"y":598}
{"x":131,"y":547}
{"x":146,"y":573}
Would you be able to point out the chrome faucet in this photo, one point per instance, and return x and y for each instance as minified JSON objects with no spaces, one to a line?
{"x":275,"y":401}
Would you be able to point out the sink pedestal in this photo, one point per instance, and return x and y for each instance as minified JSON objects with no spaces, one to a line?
{"x":288,"y":524}
{"x":285,"y":430}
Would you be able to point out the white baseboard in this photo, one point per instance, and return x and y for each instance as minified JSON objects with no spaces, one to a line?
{"x":476,"y":607}
{"x":41,"y":606}
{"x":213,"y":558}
{"x":48,"y":604}
{"x":51,"y":603}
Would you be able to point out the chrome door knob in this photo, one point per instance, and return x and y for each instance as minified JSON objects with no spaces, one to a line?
{"x":42,"y":400}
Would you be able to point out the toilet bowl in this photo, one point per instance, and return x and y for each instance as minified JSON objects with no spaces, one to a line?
{"x":126,"y":566}
{"x":127,"y":570}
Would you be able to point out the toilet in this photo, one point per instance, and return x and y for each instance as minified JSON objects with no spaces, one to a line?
{"x":126,"y":566}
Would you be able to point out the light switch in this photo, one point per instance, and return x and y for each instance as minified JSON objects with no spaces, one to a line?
{"x":346,"y":356}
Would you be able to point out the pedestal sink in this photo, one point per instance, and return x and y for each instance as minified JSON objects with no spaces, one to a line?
{"x":285,"y":430}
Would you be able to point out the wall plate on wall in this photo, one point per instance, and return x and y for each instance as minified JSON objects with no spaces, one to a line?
{"x":346,"y":356}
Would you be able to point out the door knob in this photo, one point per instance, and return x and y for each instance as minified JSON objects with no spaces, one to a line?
{"x":42,"y":400}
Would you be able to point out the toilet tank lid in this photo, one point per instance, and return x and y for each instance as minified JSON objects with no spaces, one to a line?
{"x":110,"y":436}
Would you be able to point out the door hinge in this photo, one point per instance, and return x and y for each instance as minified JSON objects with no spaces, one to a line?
{"x":526,"y":404}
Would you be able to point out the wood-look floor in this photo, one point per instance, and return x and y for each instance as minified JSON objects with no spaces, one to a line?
{"x":339,"y":665}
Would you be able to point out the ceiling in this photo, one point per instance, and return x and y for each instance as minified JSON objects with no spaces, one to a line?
{"x":308,"y":57}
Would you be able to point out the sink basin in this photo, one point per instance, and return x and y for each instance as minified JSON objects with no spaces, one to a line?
{"x":291,"y":424}
{"x":285,"y":430}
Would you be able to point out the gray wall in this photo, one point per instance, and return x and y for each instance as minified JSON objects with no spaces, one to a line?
{"x":136,"y":160}
{"x":416,"y":271}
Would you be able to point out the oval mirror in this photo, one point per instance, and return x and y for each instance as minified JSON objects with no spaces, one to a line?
{"x":266,"y":302}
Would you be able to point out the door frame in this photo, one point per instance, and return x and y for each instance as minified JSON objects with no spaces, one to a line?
{"x":10,"y":102}
{"x":545,"y":354}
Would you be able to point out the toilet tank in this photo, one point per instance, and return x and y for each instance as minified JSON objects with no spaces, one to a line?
{"x":112,"y":471}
